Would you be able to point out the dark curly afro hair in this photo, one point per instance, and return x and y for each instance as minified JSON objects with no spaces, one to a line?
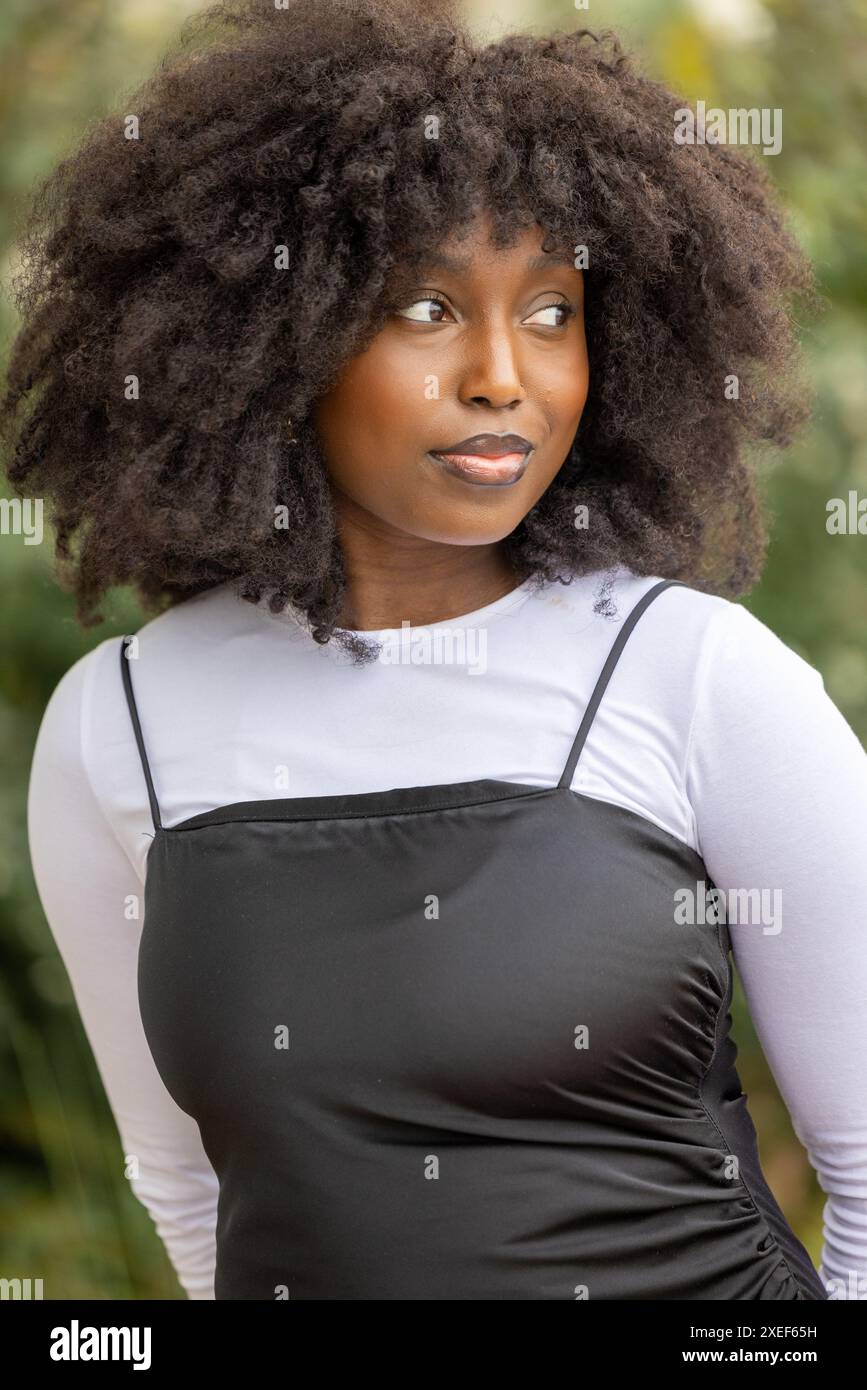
{"x":305,"y":127}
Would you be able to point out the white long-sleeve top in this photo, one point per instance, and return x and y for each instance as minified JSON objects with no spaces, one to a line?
{"x":710,"y":726}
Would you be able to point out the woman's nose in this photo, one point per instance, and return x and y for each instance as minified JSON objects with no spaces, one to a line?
{"x":492,"y":372}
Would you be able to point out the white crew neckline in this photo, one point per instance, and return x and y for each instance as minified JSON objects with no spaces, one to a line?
{"x":513,"y":599}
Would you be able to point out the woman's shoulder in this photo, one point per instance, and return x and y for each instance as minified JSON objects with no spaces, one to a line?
{"x":85,"y":739}
{"x":742,"y":655}
{"x":723,"y":636}
{"x":712,"y":675}
{"x":206,"y":618}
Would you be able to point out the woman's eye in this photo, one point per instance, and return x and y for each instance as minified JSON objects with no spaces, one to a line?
{"x":419,"y":317}
{"x":567,"y":309}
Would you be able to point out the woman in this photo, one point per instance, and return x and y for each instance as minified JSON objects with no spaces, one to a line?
{"x":375,"y":361}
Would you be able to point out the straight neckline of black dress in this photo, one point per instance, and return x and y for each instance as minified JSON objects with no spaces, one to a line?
{"x":409,"y":801}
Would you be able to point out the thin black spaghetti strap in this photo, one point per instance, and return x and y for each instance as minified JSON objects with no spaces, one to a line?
{"x":605,"y":675}
{"x":130,"y":700}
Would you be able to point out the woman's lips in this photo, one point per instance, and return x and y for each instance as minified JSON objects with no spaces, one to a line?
{"x":485,"y":468}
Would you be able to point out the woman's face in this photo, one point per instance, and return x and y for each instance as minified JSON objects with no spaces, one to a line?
{"x":485,"y":342}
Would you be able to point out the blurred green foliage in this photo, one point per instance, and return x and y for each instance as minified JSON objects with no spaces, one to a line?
{"x":68,"y":1215}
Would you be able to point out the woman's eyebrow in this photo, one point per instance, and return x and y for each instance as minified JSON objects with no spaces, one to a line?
{"x":440,"y":260}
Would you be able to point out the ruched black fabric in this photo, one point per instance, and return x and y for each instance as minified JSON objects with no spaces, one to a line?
{"x":451,"y":1042}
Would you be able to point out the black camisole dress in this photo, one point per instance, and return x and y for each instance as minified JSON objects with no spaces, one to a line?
{"x":452,"y":1042}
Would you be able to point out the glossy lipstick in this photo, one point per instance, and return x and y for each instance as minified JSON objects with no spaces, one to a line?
{"x":498,"y":459}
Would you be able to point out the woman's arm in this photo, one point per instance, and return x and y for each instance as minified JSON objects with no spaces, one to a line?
{"x":86,"y":884}
{"x":778,"y":783}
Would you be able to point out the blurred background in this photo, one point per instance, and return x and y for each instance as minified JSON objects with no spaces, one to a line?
{"x":68,"y":1215}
